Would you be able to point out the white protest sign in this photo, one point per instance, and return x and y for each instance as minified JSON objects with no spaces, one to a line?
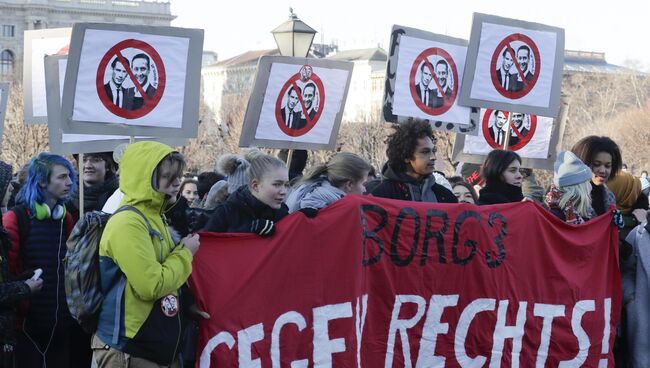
{"x":537,"y":139}
{"x":296,"y":103}
{"x":514,"y":65}
{"x":38,"y":44}
{"x":133,"y":80}
{"x":430,"y":86}
{"x":63,"y":143}
{"x":530,"y":135}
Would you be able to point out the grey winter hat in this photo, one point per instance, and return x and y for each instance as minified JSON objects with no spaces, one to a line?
{"x":235,"y":167}
{"x":570,"y":170}
{"x":212,"y":200}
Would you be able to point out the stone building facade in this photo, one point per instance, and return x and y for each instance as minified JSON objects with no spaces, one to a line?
{"x":17,"y":16}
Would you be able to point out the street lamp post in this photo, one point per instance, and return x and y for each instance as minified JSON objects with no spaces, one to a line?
{"x":294,"y":38}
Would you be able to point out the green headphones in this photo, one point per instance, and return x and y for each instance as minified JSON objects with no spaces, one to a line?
{"x":44,"y":212}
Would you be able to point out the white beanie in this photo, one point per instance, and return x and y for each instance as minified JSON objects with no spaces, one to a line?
{"x":570,"y":170}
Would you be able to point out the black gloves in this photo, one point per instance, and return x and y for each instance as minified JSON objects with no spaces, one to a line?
{"x":309,"y":212}
{"x":263,"y":227}
{"x":197,"y":218}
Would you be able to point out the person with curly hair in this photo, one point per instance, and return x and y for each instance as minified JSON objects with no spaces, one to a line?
{"x":604,"y":158}
{"x":408,"y":174}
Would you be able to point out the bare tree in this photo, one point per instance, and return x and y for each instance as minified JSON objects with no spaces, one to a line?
{"x":20,"y":141}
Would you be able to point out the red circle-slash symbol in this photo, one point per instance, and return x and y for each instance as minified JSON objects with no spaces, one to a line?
{"x":520,"y":133}
{"x":430,"y":65}
{"x":521,"y":79}
{"x":299,"y":87}
{"x":149,"y":103}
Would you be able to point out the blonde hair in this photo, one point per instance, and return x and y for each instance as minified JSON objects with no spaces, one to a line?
{"x":579,"y":195}
{"x":341,"y":168}
{"x":261,"y":164}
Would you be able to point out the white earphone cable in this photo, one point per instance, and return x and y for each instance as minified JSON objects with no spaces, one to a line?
{"x":56,"y":313}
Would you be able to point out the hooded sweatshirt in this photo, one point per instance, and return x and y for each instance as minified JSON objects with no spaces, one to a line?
{"x":398,"y":185}
{"x":141,"y":274}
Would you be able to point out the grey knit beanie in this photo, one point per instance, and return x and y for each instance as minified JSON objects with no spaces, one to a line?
{"x":235,"y":167}
{"x":570,"y":170}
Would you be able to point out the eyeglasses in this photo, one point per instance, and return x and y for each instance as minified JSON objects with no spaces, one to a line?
{"x":93,"y":159}
{"x":427,"y":152}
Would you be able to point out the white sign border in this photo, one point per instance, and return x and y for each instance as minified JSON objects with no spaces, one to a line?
{"x":555,"y":145}
{"x":553,"y":108}
{"x":191,"y":102}
{"x":5,"y":88}
{"x":55,"y":133}
{"x":397,"y":32}
{"x":254,"y":108}
{"x":28,"y":92}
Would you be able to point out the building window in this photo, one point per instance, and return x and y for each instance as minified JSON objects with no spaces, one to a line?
{"x":6,"y":62}
{"x":8,"y":30}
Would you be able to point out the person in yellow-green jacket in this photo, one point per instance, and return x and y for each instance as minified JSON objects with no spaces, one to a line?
{"x":142,"y":269}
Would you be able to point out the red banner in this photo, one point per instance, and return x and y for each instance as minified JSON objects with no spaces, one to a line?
{"x":371,"y":282}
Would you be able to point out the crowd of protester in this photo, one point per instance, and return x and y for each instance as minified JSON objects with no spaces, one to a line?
{"x":146,"y":252}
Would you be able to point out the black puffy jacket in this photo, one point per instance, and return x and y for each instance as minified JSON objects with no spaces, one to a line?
{"x":239,"y":211}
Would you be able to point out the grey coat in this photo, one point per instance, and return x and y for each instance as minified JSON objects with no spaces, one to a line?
{"x":317,"y":194}
{"x":635,"y":272}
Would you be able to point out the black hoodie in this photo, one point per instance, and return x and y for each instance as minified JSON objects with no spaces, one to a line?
{"x":396,"y":185}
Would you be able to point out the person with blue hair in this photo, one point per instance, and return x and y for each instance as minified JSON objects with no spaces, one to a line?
{"x":38,"y":227}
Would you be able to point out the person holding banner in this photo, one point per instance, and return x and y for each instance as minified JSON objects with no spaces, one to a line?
{"x":325,"y":184}
{"x":256,"y":207}
{"x":604,"y":158}
{"x":569,"y":198}
{"x":408,"y":174}
{"x":142,"y":270}
{"x":502,"y":178}
{"x":630,"y":200}
{"x":464,"y":191}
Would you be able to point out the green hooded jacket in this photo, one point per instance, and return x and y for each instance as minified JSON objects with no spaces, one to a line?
{"x":141,"y":274}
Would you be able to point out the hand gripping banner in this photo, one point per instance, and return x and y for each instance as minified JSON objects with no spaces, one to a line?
{"x":381,"y":283}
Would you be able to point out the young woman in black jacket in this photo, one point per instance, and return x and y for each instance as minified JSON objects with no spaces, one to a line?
{"x":256,"y":207}
{"x":502,"y":178}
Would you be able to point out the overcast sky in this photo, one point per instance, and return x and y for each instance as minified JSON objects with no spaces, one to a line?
{"x":619,"y":28}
